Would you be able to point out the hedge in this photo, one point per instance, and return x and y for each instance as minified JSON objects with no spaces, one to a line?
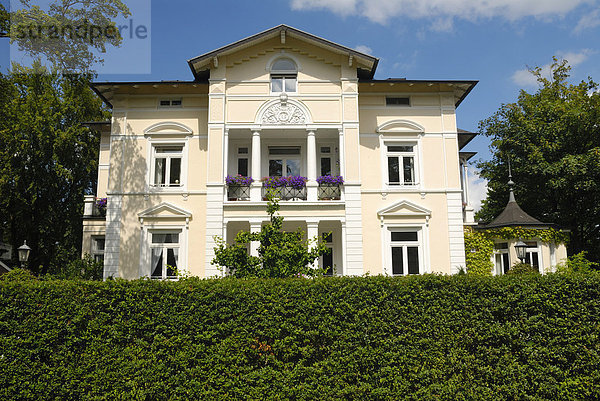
{"x":375,"y":338}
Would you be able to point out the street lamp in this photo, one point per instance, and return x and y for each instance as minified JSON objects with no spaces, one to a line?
{"x":521,"y":249}
{"x":24,"y":251}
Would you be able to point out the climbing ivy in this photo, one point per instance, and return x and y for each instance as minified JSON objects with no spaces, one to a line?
{"x":478,"y":252}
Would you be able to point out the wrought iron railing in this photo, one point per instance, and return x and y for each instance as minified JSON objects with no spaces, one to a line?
{"x":238,"y":192}
{"x":329,"y":192}
{"x":285,"y":193}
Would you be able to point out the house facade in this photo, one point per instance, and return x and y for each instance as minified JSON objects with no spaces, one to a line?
{"x":376,"y":163}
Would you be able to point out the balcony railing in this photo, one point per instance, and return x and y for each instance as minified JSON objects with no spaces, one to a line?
{"x":238,"y":192}
{"x":285,"y":193}
{"x":329,"y":192}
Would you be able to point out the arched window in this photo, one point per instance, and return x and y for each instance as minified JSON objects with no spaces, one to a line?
{"x":284,"y":75}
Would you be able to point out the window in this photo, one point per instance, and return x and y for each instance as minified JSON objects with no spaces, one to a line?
{"x":166,"y":166}
{"x":397,"y":101}
{"x":325,"y":160}
{"x":532,"y":256}
{"x":169,"y":102}
{"x":284,"y":75}
{"x":405,"y":250}
{"x":164,"y":249}
{"x":327,"y":258}
{"x":284,"y":161}
{"x":98,"y":248}
{"x":502,"y":263}
{"x":242,"y":161}
{"x":401,"y":164}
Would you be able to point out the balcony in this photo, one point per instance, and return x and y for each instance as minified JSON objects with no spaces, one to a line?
{"x":285,"y":193}
{"x":329,"y":192}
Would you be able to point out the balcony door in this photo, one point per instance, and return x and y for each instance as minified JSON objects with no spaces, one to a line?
{"x":284,"y":161}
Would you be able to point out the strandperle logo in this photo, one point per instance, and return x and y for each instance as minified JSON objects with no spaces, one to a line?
{"x":84,"y":31}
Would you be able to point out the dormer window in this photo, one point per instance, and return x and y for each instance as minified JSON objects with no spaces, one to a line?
{"x":284,"y":75}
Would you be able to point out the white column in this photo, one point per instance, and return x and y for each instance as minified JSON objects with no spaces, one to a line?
{"x":344,"y":270}
{"x":88,"y":205}
{"x":225,"y":272}
{"x":225,"y":152}
{"x":254,"y":228}
{"x":311,"y":164}
{"x":312,"y":231}
{"x":341,"y":153}
{"x":255,"y":189}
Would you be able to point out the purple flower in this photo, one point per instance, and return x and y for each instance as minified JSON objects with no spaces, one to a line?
{"x":101,"y":203}
{"x":330,"y":179}
{"x":293,"y":181}
{"x":238,"y":180}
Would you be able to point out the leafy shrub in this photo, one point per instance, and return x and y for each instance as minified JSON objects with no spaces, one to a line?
{"x":522,"y":268}
{"x":427,"y":337}
{"x":577,"y":263}
{"x":17,"y":275}
{"x":86,"y":269}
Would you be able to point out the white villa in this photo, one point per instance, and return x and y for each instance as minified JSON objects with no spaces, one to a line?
{"x":281,"y":103}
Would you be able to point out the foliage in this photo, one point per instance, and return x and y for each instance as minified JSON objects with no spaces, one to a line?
{"x":387,"y":338}
{"x":522,"y":268}
{"x":84,"y":269}
{"x":293,"y":181}
{"x":238,"y":180}
{"x":48,"y":160}
{"x":577,"y":263}
{"x":552,"y":138}
{"x":478,"y":252}
{"x":546,"y":235}
{"x":280,"y":254}
{"x":330,"y":179}
{"x":101,"y":203}
{"x":67,"y":32}
{"x":17,"y":275}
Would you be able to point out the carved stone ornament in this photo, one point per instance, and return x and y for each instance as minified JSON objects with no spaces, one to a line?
{"x":283,"y":113}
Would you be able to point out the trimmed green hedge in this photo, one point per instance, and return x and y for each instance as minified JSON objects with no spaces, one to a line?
{"x":427,"y":337}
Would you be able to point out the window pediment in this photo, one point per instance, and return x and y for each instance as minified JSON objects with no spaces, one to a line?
{"x":164,"y":210}
{"x":404,"y":208}
{"x":168,"y":128}
{"x":283,"y":111}
{"x":400,"y":126}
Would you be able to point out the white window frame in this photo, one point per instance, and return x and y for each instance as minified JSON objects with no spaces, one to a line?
{"x":246,"y":156}
{"x":146,"y":248}
{"x":535,"y":249}
{"x":170,"y":105}
{"x":284,"y":75}
{"x":421,"y":243}
{"x":332,"y":155}
{"x":284,"y":158}
{"x":95,"y":252}
{"x":500,"y":252}
{"x":416,"y":163}
{"x":157,"y":143}
{"x":330,"y":245}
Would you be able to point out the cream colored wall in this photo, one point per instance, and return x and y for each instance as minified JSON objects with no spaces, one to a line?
{"x":91,"y":227}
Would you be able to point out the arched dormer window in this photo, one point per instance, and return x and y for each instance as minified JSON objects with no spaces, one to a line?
{"x":284,"y":75}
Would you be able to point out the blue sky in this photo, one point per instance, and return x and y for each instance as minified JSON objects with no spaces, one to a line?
{"x":490,"y":41}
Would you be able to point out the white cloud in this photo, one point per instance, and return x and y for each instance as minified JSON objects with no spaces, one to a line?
{"x":364,"y":49}
{"x":477,"y":189}
{"x":588,"y":21}
{"x":524,"y":78}
{"x":382,"y":11}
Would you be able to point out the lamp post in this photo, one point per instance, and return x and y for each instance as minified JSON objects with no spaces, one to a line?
{"x":521,"y":249}
{"x":24,"y":251}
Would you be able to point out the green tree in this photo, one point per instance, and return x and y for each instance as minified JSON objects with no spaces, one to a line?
{"x":552,"y":138}
{"x":48,"y":161}
{"x":280,"y":253}
{"x":67,"y":33}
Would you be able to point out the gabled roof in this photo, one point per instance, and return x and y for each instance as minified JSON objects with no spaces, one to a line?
{"x":200,"y":65}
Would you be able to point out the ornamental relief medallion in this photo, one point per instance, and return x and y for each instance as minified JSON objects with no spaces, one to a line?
{"x":283,"y":113}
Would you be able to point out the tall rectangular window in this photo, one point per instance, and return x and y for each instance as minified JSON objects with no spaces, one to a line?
{"x":401,"y":164}
{"x":328,"y":257}
{"x":325,"y":152}
{"x":405,"y":252}
{"x":164,"y":248}
{"x":242,"y":161}
{"x":167,"y":165}
{"x":98,"y":248}
{"x":501,"y":258}
{"x":532,"y":256}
